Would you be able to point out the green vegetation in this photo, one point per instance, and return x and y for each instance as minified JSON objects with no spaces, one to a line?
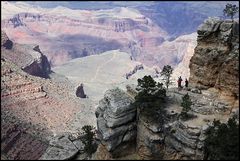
{"x":186,"y":104}
{"x":222,"y":141}
{"x":150,"y":92}
{"x":230,"y":10}
{"x":173,"y":131}
{"x":88,"y":138}
{"x":150,"y":98}
{"x":166,"y":73}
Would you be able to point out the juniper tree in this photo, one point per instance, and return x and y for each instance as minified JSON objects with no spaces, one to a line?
{"x":149,"y":91}
{"x":88,"y":138}
{"x":230,"y":10}
{"x":166,"y":73}
{"x":186,"y":104}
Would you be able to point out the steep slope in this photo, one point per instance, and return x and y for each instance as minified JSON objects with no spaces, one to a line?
{"x":27,"y":57}
{"x":34,"y":109}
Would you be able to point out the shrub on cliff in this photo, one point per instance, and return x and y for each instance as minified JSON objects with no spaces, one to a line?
{"x":222,"y":141}
{"x":88,"y":138}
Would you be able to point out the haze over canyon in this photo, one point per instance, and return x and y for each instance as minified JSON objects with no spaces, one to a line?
{"x":68,"y":64}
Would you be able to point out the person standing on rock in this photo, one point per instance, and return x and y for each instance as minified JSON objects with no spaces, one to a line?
{"x":179,"y":82}
{"x":186,"y":83}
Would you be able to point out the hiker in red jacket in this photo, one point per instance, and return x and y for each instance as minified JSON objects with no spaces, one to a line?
{"x":179,"y":82}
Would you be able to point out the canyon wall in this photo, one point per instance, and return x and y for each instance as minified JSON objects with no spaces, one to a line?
{"x":215,"y":63}
{"x":64,"y":34}
{"x":35,"y":109}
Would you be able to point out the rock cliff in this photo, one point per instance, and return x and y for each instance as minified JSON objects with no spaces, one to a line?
{"x":152,"y":138}
{"x":116,"y":123}
{"x":27,"y":57}
{"x":215,"y":63}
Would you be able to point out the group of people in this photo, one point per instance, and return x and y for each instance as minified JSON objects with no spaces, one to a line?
{"x":180,"y":81}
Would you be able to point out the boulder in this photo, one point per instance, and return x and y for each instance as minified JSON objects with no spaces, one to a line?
{"x":80,"y":92}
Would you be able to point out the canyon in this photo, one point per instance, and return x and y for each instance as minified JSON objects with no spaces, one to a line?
{"x":33,"y":108}
{"x":167,"y":136}
{"x":64,"y":68}
{"x":64,"y":34}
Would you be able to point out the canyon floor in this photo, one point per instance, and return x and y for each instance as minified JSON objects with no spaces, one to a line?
{"x":101,"y":72}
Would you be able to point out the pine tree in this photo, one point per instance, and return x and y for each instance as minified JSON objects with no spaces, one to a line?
{"x":230,"y":10}
{"x":186,"y":104}
{"x":166,"y":73}
{"x":88,"y":139}
{"x":222,"y":141}
{"x":150,"y":91}
{"x":150,"y":98}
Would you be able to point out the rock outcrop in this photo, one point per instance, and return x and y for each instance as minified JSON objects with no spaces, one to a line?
{"x":80,"y":92}
{"x":116,"y":123}
{"x":158,"y":136}
{"x":28,"y":57}
{"x":215,"y":63}
{"x":136,"y":68}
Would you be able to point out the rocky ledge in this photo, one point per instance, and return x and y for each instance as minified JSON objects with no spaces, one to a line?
{"x":124,"y":131}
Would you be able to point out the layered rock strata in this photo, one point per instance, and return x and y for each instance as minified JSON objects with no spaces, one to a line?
{"x":215,"y":63}
{"x":34,"y":109}
{"x":167,"y":137}
{"x":116,"y":123}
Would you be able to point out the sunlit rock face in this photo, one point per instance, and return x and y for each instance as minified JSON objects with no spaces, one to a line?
{"x":27,"y":57}
{"x":215,"y":63}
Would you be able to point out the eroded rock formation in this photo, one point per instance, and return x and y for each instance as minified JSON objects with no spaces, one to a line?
{"x":116,"y":123}
{"x":27,"y":57}
{"x":215,"y":63}
{"x":80,"y":92}
{"x":34,"y":109}
{"x":154,"y":138}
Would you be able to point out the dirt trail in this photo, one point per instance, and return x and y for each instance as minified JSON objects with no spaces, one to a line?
{"x":98,"y":68}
